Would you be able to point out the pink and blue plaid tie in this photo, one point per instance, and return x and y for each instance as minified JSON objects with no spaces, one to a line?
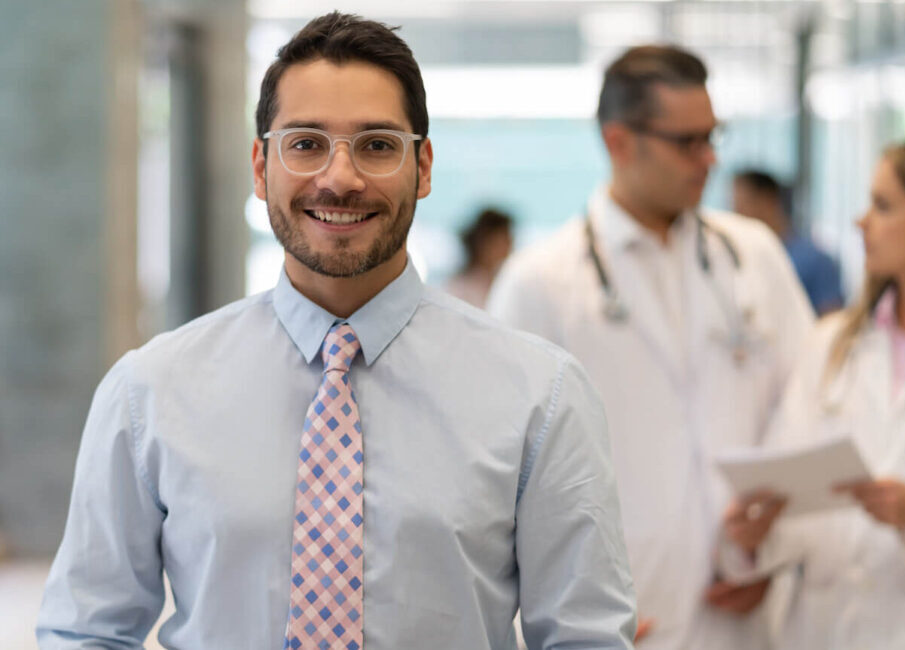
{"x":325,"y":609}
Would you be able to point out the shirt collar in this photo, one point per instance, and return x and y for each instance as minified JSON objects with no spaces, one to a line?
{"x":622,"y":231}
{"x":376,"y":323}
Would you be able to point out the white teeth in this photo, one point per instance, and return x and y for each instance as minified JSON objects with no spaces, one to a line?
{"x":340,"y":217}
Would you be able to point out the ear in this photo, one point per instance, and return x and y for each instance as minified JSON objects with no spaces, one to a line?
{"x":259,"y":169}
{"x":425,"y":162}
{"x":619,"y":141}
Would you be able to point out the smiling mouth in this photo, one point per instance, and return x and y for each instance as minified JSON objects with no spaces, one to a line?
{"x":340,"y":218}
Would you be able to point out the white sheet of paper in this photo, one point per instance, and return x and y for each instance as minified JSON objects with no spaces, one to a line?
{"x":806,"y":475}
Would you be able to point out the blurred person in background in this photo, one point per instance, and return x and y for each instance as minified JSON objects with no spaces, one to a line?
{"x":487,"y":242}
{"x":850,"y":381}
{"x":758,"y":195}
{"x":447,"y":470}
{"x":688,"y":321}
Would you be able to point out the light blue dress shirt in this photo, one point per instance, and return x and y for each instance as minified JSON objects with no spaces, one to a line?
{"x":488,"y":484}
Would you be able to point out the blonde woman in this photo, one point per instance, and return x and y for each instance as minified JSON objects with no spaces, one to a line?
{"x":849,"y":564}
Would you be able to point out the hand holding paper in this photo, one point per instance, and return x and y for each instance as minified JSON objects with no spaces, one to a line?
{"x":884,"y":499}
{"x":734,"y":598}
{"x":749,"y":519}
{"x":804,"y":476}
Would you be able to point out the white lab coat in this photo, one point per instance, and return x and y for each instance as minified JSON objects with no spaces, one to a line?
{"x":673,"y":391}
{"x":850,"y":591}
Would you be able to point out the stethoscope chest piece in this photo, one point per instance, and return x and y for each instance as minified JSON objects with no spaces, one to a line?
{"x":615,"y":310}
{"x":741,"y":339}
{"x":740,"y":351}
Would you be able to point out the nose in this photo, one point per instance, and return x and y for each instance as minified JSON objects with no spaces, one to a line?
{"x":340,"y":176}
{"x":861,"y":222}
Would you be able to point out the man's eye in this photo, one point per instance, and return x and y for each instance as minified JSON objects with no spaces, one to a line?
{"x":303,"y":144}
{"x":378,"y":144}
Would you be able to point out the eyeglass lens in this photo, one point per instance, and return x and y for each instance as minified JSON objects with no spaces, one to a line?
{"x":306,"y":152}
{"x":694,"y":142}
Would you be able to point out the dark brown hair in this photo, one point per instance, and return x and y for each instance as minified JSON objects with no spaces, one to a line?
{"x":488,"y":221}
{"x":340,"y":38}
{"x":765,"y":184}
{"x":760,"y":181}
{"x":627,"y":93}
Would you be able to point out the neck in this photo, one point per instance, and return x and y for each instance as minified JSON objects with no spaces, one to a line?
{"x":342,"y":297}
{"x":650,"y":218}
{"x":483,"y":269}
{"x":479,"y":275}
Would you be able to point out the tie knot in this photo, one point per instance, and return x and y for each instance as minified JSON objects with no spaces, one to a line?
{"x":340,"y":347}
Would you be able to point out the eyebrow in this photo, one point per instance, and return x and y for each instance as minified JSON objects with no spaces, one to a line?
{"x":364,"y":126}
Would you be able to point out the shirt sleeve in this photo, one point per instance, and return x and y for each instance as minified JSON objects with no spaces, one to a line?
{"x":576,"y":590}
{"x":105,"y":587}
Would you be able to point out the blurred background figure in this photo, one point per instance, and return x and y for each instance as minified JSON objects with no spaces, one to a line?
{"x":487,"y":242}
{"x":758,"y":195}
{"x":668,"y":303}
{"x":850,"y":381}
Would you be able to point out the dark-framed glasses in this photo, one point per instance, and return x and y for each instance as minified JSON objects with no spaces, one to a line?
{"x":376,"y":152}
{"x":686,"y":142}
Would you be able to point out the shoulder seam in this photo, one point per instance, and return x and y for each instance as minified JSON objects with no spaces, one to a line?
{"x":136,"y":424}
{"x":528,"y":465}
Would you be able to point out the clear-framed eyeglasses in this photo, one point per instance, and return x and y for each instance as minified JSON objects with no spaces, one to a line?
{"x":377,"y":152}
{"x":688,"y":143}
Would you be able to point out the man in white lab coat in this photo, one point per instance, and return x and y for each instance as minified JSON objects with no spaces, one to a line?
{"x":688,"y":321}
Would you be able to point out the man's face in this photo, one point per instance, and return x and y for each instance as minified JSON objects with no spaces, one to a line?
{"x":668,"y":174}
{"x":341,"y":222}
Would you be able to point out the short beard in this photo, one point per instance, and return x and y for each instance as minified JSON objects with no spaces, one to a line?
{"x":341,"y":262}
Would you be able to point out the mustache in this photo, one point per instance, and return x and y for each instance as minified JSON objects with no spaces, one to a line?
{"x":326,"y":199}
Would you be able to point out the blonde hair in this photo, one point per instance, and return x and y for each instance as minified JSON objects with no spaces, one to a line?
{"x":856,"y":317}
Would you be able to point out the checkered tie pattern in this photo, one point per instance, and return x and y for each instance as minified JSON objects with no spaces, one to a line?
{"x":325,"y":609}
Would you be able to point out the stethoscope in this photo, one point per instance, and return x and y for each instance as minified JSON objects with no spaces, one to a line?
{"x":616,"y":311}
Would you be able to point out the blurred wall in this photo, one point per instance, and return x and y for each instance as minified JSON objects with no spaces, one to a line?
{"x":54,"y":125}
{"x":69,"y":296}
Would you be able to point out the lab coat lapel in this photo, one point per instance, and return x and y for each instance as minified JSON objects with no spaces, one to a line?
{"x":648,"y":316}
{"x":716,"y":298}
{"x":874,"y":376}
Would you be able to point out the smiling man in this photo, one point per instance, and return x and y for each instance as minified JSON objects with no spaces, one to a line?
{"x":351,"y":459}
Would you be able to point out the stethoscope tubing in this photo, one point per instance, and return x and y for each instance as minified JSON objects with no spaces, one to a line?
{"x":615,"y":309}
{"x":703,"y":253}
